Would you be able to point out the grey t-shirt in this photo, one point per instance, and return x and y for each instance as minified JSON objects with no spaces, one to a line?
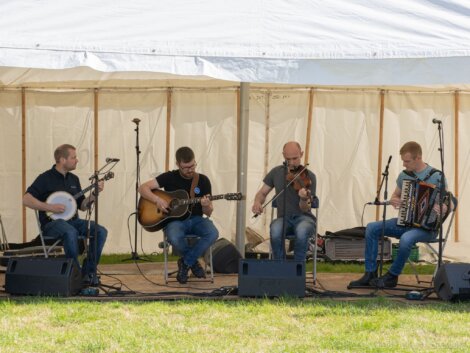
{"x":276,"y":179}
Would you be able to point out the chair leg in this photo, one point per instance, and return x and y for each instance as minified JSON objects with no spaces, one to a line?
{"x":165,"y":259}
{"x":315,"y":258}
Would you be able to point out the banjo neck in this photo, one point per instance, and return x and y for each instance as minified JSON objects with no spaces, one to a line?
{"x":88,"y":188}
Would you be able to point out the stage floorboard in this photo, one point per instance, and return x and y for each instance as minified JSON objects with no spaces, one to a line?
{"x":145,"y":281}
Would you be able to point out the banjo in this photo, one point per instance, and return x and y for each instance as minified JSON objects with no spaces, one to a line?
{"x":69,"y":201}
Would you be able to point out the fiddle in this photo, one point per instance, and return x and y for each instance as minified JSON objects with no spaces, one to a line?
{"x":299,"y":178}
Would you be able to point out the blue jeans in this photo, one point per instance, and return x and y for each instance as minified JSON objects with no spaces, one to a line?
{"x":408,"y":238}
{"x":202,"y":227}
{"x":69,"y":231}
{"x":302,"y":226}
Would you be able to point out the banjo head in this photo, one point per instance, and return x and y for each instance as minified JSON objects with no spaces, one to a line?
{"x":64,"y":198}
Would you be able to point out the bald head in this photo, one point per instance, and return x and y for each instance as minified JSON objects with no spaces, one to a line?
{"x":292,"y":153}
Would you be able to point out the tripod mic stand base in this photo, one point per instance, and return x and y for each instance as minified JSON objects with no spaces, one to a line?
{"x":135,"y":257}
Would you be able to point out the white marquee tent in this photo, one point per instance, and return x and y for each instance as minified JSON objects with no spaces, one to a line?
{"x":350,"y":80}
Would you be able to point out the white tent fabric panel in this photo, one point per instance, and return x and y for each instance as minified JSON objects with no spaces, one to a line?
{"x":344,"y":152}
{"x":207,"y":122}
{"x":52,"y":120}
{"x":117,"y":139}
{"x":460,"y":250}
{"x":10,"y":163}
{"x":360,"y":42}
{"x":343,"y":148}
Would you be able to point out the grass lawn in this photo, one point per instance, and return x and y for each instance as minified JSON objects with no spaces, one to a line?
{"x":277,"y":325}
{"x":282,"y":325}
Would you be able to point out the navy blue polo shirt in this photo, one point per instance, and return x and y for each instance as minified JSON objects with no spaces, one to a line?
{"x":51,"y":181}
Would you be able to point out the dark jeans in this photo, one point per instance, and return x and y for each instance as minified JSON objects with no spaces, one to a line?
{"x":69,"y":232}
{"x":202,"y":227}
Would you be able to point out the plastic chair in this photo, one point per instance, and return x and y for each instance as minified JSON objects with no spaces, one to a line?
{"x":430,"y":245}
{"x":189,"y":238}
{"x":291,"y":237}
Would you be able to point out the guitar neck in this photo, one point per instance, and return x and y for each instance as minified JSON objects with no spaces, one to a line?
{"x":198,"y":199}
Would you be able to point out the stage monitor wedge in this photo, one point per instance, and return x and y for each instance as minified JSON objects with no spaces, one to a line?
{"x":42,"y":276}
{"x":271,"y":278}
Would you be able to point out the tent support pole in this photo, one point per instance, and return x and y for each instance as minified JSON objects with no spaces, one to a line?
{"x":95,"y":137}
{"x":242,"y":164}
{"x":381,"y":141}
{"x":23,"y":156}
{"x":456,"y":161}
{"x":309,"y":126}
{"x":169,"y":97}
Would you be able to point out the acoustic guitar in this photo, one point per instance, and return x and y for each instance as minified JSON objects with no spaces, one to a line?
{"x":153,"y":219}
{"x":69,"y":201}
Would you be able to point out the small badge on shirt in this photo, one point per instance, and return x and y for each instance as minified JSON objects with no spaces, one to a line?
{"x":197,"y":191}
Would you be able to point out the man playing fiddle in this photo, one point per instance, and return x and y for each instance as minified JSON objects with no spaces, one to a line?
{"x":299,"y":218}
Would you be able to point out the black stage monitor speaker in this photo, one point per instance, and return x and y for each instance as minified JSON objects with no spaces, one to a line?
{"x":452,"y":282}
{"x":41,"y":276}
{"x":225,"y":256}
{"x":271,"y":278}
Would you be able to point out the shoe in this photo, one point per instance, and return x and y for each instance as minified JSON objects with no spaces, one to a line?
{"x":388,"y":280}
{"x":197,"y":270}
{"x":183,"y":269}
{"x":364,"y":280}
{"x":89,"y":280}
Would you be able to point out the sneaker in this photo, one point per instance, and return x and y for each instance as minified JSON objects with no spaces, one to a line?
{"x":183,"y":269}
{"x":197,"y":270}
{"x":364,"y":280}
{"x":388,"y":280}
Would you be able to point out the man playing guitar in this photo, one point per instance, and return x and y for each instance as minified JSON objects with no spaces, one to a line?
{"x":192,"y":222}
{"x":60,"y":178}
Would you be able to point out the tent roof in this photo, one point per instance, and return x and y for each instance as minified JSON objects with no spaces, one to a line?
{"x":349,"y":43}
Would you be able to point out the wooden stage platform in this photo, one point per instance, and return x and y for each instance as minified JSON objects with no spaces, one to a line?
{"x":145,"y":281}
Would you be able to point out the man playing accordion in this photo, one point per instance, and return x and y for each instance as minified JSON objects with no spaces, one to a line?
{"x":409,"y":231}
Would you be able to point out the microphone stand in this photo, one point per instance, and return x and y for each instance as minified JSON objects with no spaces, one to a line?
{"x":93,"y":255}
{"x":134,"y":254}
{"x":384,"y":214}
{"x":284,"y":220}
{"x":442,"y":190}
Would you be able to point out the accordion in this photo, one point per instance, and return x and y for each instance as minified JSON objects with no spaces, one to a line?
{"x":416,"y":208}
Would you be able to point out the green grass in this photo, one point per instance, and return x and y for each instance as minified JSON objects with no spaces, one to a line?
{"x":283,"y":325}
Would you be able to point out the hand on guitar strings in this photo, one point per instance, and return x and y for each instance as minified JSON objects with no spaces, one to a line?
{"x":162,"y":204}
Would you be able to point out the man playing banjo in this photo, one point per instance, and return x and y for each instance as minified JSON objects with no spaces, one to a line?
{"x":59,"y":220}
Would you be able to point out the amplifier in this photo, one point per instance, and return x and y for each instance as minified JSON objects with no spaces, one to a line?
{"x":271,"y":278}
{"x":352,"y":249}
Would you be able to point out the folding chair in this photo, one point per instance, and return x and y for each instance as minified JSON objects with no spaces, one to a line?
{"x":433,"y":250}
{"x":190,"y":238}
{"x":291,"y":237}
{"x":47,"y":249}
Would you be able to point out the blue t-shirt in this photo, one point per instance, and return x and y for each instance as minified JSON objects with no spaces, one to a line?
{"x":425,"y":175}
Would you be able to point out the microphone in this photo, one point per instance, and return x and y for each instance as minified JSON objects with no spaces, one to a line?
{"x":379,"y":203}
{"x":136,"y":120}
{"x":388,"y":164}
{"x":436,"y":121}
{"x":109,"y":160}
